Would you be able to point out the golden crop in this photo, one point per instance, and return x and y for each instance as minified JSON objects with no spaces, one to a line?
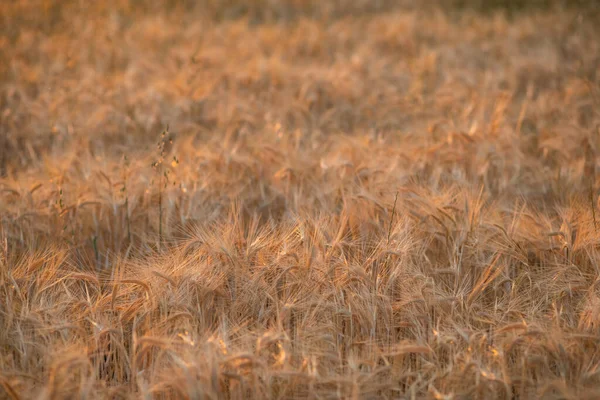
{"x":298,"y":199}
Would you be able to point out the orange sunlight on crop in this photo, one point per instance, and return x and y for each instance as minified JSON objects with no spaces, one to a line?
{"x":299,"y":199}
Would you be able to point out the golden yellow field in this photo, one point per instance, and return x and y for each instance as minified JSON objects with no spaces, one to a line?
{"x":299,"y":199}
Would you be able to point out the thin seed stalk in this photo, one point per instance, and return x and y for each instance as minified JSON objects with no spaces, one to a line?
{"x":160,"y":214}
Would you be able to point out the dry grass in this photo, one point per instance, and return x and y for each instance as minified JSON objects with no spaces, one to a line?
{"x":353,"y":199}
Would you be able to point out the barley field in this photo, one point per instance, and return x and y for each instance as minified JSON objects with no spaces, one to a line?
{"x":299,"y":199}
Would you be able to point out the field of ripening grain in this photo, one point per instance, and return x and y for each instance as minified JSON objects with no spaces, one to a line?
{"x":299,"y":199}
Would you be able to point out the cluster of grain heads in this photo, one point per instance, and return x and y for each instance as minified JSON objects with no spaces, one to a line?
{"x":396,"y":205}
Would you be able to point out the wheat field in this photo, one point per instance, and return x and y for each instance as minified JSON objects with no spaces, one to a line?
{"x":299,"y":199}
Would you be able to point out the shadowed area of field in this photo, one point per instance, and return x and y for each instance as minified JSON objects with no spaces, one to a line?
{"x":299,"y":199}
